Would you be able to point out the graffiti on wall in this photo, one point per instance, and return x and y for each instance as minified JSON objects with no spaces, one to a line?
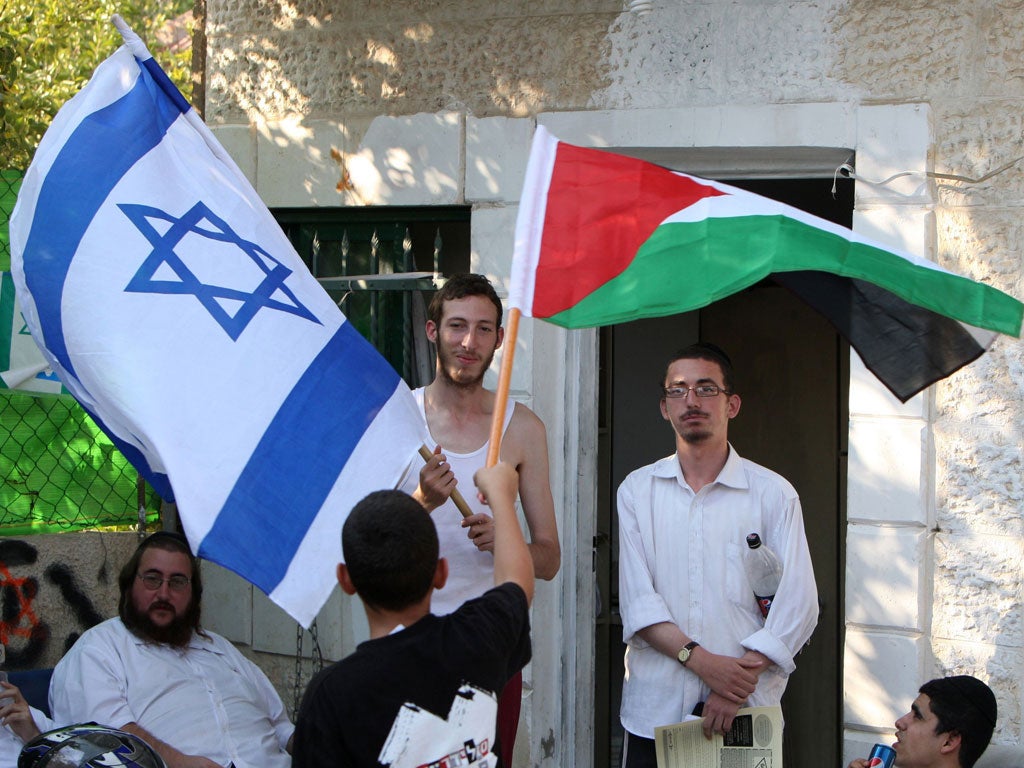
{"x":25,"y":634}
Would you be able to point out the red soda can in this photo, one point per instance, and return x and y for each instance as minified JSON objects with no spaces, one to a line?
{"x":882,"y":756}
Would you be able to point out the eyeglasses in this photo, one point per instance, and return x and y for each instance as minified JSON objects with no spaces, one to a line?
{"x":153,"y":582}
{"x":701,"y":390}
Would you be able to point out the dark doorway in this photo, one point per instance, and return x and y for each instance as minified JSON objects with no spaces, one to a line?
{"x":793,"y":374}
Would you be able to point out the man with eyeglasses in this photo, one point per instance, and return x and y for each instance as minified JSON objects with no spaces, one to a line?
{"x":155,"y":672}
{"x":696,"y":641}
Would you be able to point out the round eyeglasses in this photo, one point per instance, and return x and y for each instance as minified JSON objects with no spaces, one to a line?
{"x":153,"y":581}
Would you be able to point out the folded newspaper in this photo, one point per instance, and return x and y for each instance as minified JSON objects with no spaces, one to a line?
{"x":754,"y":741}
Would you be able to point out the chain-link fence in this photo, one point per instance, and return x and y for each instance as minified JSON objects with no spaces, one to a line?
{"x":58,"y":471}
{"x":10,"y":183}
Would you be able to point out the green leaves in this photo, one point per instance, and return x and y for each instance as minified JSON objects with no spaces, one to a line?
{"x":49,"y":49}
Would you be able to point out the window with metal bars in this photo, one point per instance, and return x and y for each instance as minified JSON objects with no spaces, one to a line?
{"x":381,"y":265}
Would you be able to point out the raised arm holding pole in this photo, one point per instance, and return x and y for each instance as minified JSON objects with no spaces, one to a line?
{"x":472,"y":427}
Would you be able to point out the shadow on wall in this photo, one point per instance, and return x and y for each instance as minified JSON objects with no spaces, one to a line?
{"x":485,"y":58}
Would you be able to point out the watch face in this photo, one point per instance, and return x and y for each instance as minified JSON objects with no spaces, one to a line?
{"x":684,"y":655}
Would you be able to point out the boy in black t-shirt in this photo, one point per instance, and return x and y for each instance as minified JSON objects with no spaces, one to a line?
{"x":423,"y":689}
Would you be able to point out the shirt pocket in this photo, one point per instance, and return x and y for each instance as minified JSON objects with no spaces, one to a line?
{"x":737,"y":586}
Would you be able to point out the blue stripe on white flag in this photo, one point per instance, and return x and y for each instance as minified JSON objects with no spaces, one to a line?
{"x":293,"y":468}
{"x":163,"y":82}
{"x":114,"y":137}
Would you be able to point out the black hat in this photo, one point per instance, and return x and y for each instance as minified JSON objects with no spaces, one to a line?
{"x":978,"y":694}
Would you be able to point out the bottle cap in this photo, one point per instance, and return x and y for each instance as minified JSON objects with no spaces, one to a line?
{"x":753,"y":541}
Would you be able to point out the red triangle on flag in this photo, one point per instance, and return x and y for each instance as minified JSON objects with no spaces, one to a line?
{"x":601,"y":207}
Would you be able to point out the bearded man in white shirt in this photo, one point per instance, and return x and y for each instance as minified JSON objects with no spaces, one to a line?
{"x":154,"y":672}
{"x":695,"y":637}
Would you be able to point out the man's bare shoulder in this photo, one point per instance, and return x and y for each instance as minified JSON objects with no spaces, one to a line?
{"x":526,"y":430}
{"x":523,"y":417}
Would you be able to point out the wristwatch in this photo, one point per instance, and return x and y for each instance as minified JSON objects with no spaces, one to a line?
{"x":685,"y":651}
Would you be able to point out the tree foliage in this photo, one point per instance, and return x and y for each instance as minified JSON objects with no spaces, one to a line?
{"x":49,"y":49}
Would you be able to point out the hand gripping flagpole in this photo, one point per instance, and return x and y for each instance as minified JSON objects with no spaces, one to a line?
{"x":456,"y":497}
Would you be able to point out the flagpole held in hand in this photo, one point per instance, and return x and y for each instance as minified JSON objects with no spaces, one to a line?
{"x":456,"y":496}
{"x":504,"y":384}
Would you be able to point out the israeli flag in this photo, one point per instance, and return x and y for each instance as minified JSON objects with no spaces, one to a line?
{"x":172,"y":306}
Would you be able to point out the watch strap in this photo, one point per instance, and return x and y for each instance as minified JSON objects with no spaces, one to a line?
{"x":684,"y":653}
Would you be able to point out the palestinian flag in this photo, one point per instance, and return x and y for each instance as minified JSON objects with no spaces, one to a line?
{"x":603,"y":239}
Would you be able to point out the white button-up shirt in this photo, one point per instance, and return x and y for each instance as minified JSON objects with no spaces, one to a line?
{"x":681,"y":561}
{"x":207,"y":699}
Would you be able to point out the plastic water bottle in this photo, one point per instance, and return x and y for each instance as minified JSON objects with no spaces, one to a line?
{"x":764,"y":571}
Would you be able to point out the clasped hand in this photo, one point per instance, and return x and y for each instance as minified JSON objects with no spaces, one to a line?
{"x":734,"y":679}
{"x":731,"y":680}
{"x":437,"y":481}
{"x":481,"y":531}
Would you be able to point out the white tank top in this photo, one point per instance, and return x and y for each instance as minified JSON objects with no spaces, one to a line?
{"x":470,"y":571}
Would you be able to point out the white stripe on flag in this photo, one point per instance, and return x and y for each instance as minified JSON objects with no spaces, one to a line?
{"x":738,"y":202}
{"x":530,"y":220}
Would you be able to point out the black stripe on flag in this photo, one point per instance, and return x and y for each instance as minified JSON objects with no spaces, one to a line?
{"x":907,"y":347}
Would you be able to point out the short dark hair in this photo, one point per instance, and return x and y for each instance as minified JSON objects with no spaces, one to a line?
{"x":964,"y":705}
{"x":705,"y":350}
{"x":459,"y":287}
{"x":169,"y":541}
{"x":391,"y":550}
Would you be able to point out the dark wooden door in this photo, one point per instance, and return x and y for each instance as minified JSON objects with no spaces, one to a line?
{"x":794,"y":384}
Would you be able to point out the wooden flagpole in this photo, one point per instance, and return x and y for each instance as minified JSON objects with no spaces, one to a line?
{"x":456,"y":497}
{"x":504,"y":384}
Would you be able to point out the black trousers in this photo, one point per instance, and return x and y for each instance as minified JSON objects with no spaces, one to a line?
{"x":638,"y":752}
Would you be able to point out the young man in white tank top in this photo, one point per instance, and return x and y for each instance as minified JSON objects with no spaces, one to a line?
{"x":465,"y":326}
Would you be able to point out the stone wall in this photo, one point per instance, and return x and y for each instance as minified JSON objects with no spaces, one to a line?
{"x":322,"y":59}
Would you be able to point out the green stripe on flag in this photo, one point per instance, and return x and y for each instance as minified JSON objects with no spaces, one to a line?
{"x":685,"y":266}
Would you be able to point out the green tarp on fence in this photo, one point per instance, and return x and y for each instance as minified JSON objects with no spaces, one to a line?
{"x":58,"y":471}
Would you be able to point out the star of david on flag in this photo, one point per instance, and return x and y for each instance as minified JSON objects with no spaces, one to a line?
{"x":232,"y":307}
{"x":172,"y":306}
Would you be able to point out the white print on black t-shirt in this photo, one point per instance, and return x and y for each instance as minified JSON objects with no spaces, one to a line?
{"x":464,"y":740}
